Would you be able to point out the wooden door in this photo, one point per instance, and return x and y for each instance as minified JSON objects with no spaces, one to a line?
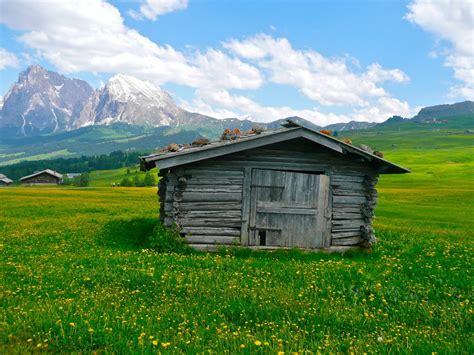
{"x":289,"y":209}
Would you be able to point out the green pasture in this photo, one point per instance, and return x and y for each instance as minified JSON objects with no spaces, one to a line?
{"x":103,"y":178}
{"x":79,"y":274}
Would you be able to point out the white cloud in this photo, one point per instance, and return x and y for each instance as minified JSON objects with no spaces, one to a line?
{"x":90,"y":36}
{"x":151,"y":9}
{"x":383,"y":108}
{"x":222,"y":104}
{"x":376,"y":74}
{"x":7,"y":59}
{"x":453,"y":22}
{"x":328,"y":81}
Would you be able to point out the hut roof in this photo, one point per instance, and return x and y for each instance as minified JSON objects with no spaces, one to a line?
{"x":5,"y":179}
{"x":46,"y":171}
{"x":291,"y":130}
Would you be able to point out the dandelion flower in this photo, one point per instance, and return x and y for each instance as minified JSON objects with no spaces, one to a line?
{"x":258,"y":342}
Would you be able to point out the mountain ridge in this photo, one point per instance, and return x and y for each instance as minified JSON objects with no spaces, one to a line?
{"x":45,"y":102}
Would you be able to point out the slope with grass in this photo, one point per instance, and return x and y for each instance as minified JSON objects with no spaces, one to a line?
{"x":79,"y":274}
{"x":110,"y":177}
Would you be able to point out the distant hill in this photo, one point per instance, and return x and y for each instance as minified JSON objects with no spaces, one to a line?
{"x":350,"y":126}
{"x":438,"y":112}
{"x":46,"y":115}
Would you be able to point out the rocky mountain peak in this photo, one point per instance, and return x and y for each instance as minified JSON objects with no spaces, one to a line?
{"x":43,"y":101}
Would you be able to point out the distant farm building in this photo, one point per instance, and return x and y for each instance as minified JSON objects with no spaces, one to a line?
{"x":72,"y":175}
{"x":288,"y":187}
{"x":4,"y":181}
{"x":44,"y":177}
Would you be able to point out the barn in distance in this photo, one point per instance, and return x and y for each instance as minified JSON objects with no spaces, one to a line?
{"x":44,"y":177}
{"x":291,"y":187}
{"x":4,"y":180}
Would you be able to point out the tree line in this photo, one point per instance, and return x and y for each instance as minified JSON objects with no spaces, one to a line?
{"x":148,"y":180}
{"x":83,"y":164}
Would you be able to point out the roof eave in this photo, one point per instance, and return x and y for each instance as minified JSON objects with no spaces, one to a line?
{"x":172,"y":159}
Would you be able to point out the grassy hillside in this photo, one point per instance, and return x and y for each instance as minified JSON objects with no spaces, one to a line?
{"x":94,"y":140}
{"x":79,"y":275}
{"x":91,"y":140}
{"x":440,"y":186}
{"x":109,"y":177}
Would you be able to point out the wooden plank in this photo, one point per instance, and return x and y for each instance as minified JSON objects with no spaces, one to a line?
{"x":212,"y":239}
{"x":343,"y":216}
{"x":323,"y":220}
{"x":338,"y":178}
{"x":283,"y":205}
{"x":213,"y":189}
{"x":348,"y":223}
{"x":288,"y":210}
{"x":329,"y":211}
{"x":211,"y":231}
{"x":210,"y":181}
{"x":347,"y":241}
{"x":340,"y":192}
{"x":208,"y":172}
{"x":338,"y":235}
{"x":210,"y":206}
{"x":246,"y":200}
{"x":346,"y":185}
{"x":348,"y":209}
{"x":211,"y":197}
{"x":209,"y":222}
{"x":349,"y":199}
{"x":213,"y":214}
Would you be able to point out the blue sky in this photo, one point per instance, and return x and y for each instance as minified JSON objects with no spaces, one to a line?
{"x":326,"y":61}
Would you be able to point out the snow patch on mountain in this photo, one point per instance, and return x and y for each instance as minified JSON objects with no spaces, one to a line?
{"x":126,"y":88}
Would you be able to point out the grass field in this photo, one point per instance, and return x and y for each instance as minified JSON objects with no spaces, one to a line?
{"x":79,"y":276}
{"x":108,"y":177}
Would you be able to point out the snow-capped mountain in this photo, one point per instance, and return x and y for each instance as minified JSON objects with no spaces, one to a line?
{"x":130,"y":100}
{"x":42,"y":101}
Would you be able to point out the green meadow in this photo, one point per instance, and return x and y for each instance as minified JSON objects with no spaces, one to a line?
{"x":79,"y":273}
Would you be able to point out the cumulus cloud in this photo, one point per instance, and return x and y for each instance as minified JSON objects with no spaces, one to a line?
{"x":151,"y":9}
{"x":328,"y":81}
{"x":451,"y":21}
{"x":7,"y":59}
{"x":222,"y":104}
{"x":90,"y":36}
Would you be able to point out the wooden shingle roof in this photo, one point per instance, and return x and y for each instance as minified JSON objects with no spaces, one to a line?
{"x":291,"y":130}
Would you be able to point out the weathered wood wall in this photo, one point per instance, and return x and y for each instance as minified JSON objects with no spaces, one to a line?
{"x":41,"y":179}
{"x":205,"y":198}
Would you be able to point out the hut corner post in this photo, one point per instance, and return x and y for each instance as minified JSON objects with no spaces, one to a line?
{"x":368,"y":234}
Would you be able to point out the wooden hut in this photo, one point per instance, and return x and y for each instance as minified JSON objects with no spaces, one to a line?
{"x":5,"y":181}
{"x":288,"y":187}
{"x":44,"y":177}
